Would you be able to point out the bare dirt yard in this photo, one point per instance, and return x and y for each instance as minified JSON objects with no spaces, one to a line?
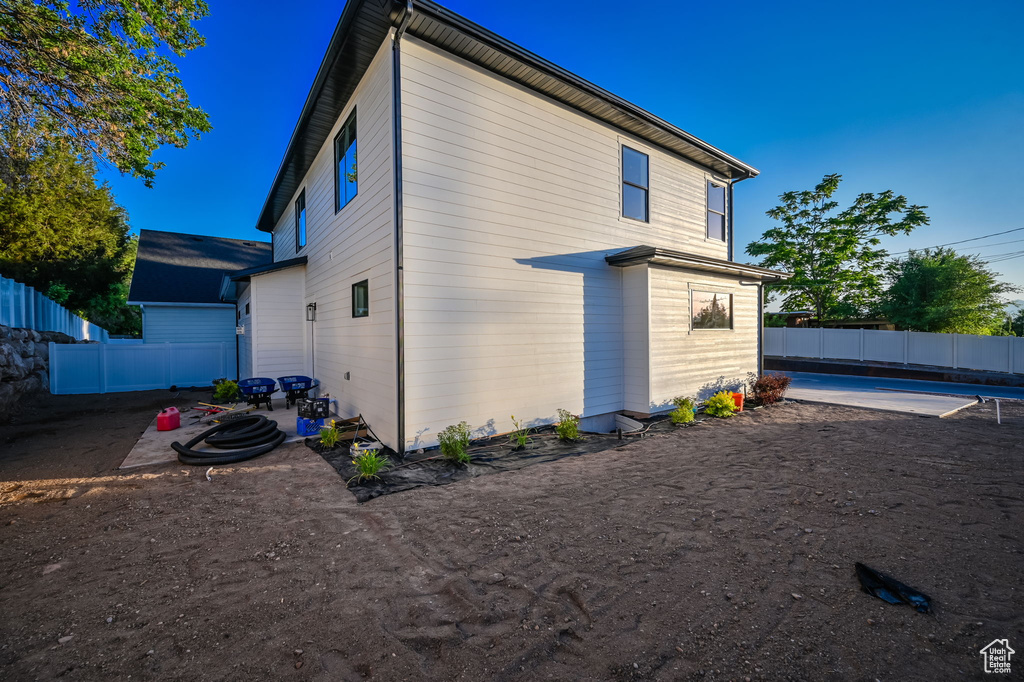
{"x":719,"y":552}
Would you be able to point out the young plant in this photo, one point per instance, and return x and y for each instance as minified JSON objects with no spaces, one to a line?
{"x":770,"y":388}
{"x":720,"y":404}
{"x":521,"y":436}
{"x":369,"y":464}
{"x":454,"y":440}
{"x":225,"y":390}
{"x":683,"y":414}
{"x":568,"y":426}
{"x":329,"y":435}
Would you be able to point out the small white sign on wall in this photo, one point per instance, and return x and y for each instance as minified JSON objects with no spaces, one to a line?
{"x":240,"y":331}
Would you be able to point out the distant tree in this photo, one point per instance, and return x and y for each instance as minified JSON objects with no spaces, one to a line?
{"x":834,"y":257}
{"x":96,"y":73}
{"x":1017,"y":323}
{"x":63,"y":233}
{"x":939,"y":290}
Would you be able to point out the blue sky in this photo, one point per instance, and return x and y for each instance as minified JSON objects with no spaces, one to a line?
{"x":925,"y":98}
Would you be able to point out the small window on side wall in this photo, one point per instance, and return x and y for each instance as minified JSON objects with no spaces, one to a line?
{"x":716,"y":211}
{"x":711,"y":310}
{"x":300,"y":220}
{"x":361,"y":299}
{"x":346,"y":171}
{"x":634,"y":184}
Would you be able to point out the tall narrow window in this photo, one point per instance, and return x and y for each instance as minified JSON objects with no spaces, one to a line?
{"x":716,"y":211}
{"x":300,"y":220}
{"x":634,"y":184}
{"x":346,"y":173}
{"x":361,"y":299}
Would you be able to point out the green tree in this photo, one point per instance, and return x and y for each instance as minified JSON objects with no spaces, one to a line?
{"x":63,"y":233}
{"x":1017,"y":323}
{"x":97,"y":74}
{"x":939,"y":290}
{"x":834,"y":256}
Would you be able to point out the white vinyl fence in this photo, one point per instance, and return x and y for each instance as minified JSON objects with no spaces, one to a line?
{"x":23,"y":306}
{"x":957,"y":351}
{"x":111,"y":368}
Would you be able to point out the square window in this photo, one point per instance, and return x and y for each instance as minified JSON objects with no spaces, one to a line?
{"x":361,"y":299}
{"x":635,"y":173}
{"x":711,"y":310}
{"x":300,"y":221}
{"x":346,"y":171}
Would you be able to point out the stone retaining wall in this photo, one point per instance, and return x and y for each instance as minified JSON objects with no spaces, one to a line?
{"x":25,"y":364}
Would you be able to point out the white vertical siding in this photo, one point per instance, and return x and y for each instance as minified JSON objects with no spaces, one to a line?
{"x":342,"y":248}
{"x":181,"y":324}
{"x":698,"y":362}
{"x":511,"y":203}
{"x":279,"y":315}
{"x":636,"y":338}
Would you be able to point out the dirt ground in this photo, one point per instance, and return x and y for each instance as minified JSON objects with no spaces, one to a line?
{"x":719,"y":552}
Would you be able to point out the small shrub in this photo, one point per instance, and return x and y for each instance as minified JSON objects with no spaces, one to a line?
{"x":568,"y":426}
{"x":770,"y":388}
{"x":225,"y":390}
{"x":684,"y":403}
{"x":454,"y":440}
{"x":681,"y":415}
{"x":329,"y":435}
{"x":521,"y":436}
{"x":369,"y":464}
{"x":720,"y":404}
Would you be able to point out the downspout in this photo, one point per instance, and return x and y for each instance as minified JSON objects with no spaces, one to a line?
{"x":399,"y":293}
{"x":731,"y":233}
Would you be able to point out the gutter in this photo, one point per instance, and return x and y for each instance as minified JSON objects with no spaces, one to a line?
{"x":399,"y":294}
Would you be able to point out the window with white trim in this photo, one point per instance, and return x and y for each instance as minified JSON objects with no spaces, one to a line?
{"x":711,"y":310}
{"x":716,"y":211}
{"x":635,"y":170}
{"x":300,"y":220}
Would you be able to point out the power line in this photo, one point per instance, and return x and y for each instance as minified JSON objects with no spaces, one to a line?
{"x":963,"y":241}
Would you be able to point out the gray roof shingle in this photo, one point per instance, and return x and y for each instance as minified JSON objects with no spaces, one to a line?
{"x":186,"y":268}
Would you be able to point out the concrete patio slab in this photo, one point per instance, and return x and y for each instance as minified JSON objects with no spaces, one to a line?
{"x":154,"y":447}
{"x":924,"y":398}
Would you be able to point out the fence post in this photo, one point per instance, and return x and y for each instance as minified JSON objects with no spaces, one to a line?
{"x":956,"y":351}
{"x":906,"y":345}
{"x":1012,"y":341}
{"x":785,"y":349}
{"x":103,"y":367}
{"x":862,"y":344}
{"x":821,"y":343}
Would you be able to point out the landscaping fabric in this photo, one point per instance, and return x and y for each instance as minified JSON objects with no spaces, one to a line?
{"x":490,"y":456}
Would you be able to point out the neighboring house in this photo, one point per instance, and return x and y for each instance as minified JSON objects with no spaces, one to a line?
{"x":179,"y":282}
{"x":508,"y":239}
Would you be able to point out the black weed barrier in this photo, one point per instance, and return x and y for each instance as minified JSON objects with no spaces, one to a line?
{"x":489,"y":456}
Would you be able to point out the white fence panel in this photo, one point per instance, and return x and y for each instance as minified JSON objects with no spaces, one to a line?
{"x":114,"y":368}
{"x":931,"y":349}
{"x":836,"y":343}
{"x":883,"y":346}
{"x":990,"y":353}
{"x":957,"y":351}
{"x":803,"y":343}
{"x":24,"y":307}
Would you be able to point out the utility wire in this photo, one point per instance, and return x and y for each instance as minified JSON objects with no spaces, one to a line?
{"x":963,"y":241}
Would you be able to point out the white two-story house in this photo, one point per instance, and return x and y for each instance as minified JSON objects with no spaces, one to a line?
{"x":464,"y":231}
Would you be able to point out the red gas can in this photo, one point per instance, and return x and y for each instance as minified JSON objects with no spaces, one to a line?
{"x":168,"y":419}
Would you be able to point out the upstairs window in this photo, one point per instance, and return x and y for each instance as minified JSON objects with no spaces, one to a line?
{"x":346,"y":174}
{"x":711,"y":310}
{"x":300,"y":221}
{"x":716,"y":211}
{"x":634,"y":184}
{"x":361,"y":299}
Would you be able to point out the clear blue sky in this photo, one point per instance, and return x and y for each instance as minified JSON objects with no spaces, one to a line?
{"x":925,"y":98}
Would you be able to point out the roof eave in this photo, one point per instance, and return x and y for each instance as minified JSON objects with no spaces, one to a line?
{"x":679,"y":259}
